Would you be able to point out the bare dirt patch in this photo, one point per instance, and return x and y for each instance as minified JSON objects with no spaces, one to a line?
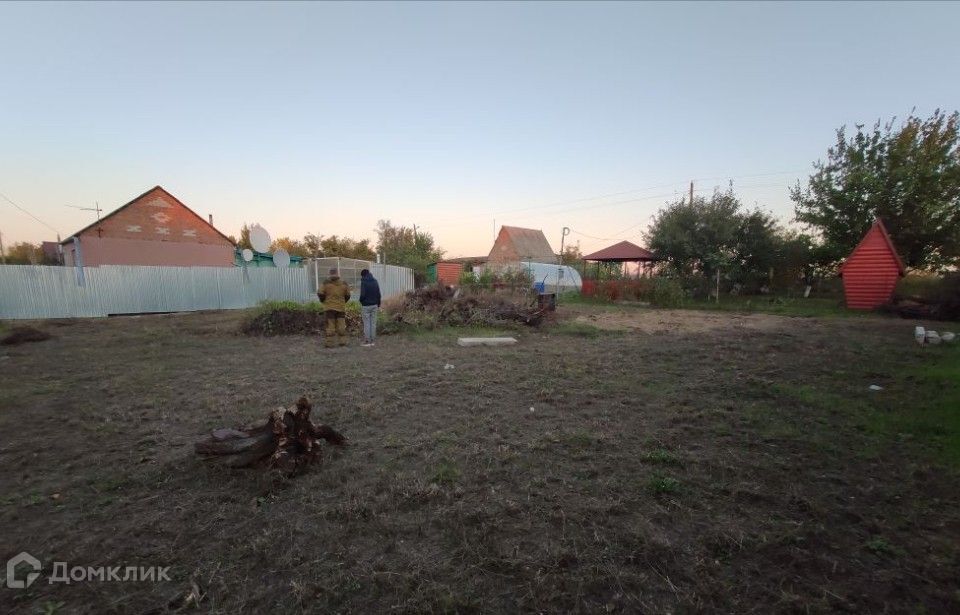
{"x":725,"y":468}
{"x":651,"y":320}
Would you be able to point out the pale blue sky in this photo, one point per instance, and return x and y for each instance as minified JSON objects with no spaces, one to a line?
{"x":327,"y":117}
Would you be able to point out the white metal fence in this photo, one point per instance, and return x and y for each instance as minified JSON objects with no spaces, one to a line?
{"x":34,"y":291}
{"x":393,"y":280}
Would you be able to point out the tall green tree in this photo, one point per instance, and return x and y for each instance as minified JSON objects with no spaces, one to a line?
{"x":25,"y":253}
{"x":292,"y":246}
{"x":713,"y":234}
{"x":244,"y":241}
{"x":572,"y":255}
{"x":699,"y":236}
{"x":757,"y":248}
{"x":907,"y":175}
{"x":400,"y":245}
{"x":319,"y":245}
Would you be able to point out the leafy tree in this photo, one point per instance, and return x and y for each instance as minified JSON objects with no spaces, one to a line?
{"x":318,"y":245}
{"x":572,"y":256}
{"x":399,"y":245}
{"x":244,"y":241}
{"x":908,"y":176}
{"x":292,"y":246}
{"x":716,"y":234}
{"x":25,"y":253}
{"x":756,"y":249}
{"x":697,"y":237}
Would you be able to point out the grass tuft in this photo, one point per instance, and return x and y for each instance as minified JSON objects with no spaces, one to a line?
{"x":664,"y":484}
{"x":881,"y":547}
{"x":446,"y":473}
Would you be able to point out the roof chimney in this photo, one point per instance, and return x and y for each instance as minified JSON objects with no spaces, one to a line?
{"x":211,"y":219}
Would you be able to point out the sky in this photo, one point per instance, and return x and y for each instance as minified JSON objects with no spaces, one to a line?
{"x":325,"y":118}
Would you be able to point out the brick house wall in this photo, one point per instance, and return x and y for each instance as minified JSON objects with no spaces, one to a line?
{"x":152,"y":229}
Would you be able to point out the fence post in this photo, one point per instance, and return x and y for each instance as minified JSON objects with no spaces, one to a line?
{"x":78,"y":261}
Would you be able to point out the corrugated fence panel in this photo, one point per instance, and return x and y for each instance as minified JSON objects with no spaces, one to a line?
{"x":29,"y":291}
{"x":279,"y":284}
{"x":231,"y":286}
{"x":393,"y":280}
{"x":32,"y":291}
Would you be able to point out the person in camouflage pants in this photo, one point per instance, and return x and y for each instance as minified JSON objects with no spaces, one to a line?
{"x":334,"y":295}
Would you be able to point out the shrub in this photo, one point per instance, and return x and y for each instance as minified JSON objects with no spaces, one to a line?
{"x":666,"y":292}
{"x":659,"y":291}
{"x":292,"y":318}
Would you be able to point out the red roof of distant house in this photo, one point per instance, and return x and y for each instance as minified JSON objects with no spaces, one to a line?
{"x":622,"y":252}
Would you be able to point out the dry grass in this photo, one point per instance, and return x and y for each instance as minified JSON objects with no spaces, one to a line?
{"x":721,"y":470}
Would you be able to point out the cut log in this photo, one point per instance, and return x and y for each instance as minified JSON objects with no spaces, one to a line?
{"x":289,"y":440}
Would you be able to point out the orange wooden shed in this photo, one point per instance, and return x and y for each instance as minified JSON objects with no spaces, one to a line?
{"x":871,"y":271}
{"x":444,"y":272}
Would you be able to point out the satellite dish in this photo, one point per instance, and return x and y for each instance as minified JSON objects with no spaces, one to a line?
{"x":259,"y":238}
{"x":281,"y":259}
{"x":247,"y":254}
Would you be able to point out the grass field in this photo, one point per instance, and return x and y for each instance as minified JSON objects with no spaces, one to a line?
{"x":617,"y":461}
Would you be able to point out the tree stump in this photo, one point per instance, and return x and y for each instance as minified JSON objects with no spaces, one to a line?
{"x":289,"y":441}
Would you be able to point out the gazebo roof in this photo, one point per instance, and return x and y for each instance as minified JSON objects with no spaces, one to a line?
{"x":621,"y":253}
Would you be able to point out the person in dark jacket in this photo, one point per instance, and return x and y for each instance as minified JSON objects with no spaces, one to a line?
{"x":334,"y":295}
{"x":369,"y":304}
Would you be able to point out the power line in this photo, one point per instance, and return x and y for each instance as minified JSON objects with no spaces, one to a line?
{"x":448,"y":221}
{"x":556,"y":204}
{"x":619,"y":234}
{"x":8,"y":200}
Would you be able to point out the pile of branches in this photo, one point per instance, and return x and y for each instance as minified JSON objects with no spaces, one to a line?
{"x":288,"y":441}
{"x":439,"y":305}
{"x":943,"y":303}
{"x":291,"y":318}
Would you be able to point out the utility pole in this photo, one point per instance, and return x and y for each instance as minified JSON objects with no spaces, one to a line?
{"x":563,"y":236}
{"x":691,"y":192}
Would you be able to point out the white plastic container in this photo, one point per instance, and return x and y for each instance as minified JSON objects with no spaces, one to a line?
{"x":920,"y":334}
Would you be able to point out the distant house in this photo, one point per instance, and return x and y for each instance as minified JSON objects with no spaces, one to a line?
{"x":51,"y":252}
{"x":155,"y":228}
{"x":515,"y":244}
{"x":871,"y":271}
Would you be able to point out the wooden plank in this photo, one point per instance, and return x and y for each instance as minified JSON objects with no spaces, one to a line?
{"x":485,"y":341}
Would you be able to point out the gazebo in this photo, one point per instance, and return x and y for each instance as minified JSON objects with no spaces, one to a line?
{"x":623,"y":252}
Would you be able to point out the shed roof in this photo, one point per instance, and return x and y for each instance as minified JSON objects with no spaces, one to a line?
{"x":624,"y":251}
{"x":463,"y":260}
{"x":877,"y":229}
